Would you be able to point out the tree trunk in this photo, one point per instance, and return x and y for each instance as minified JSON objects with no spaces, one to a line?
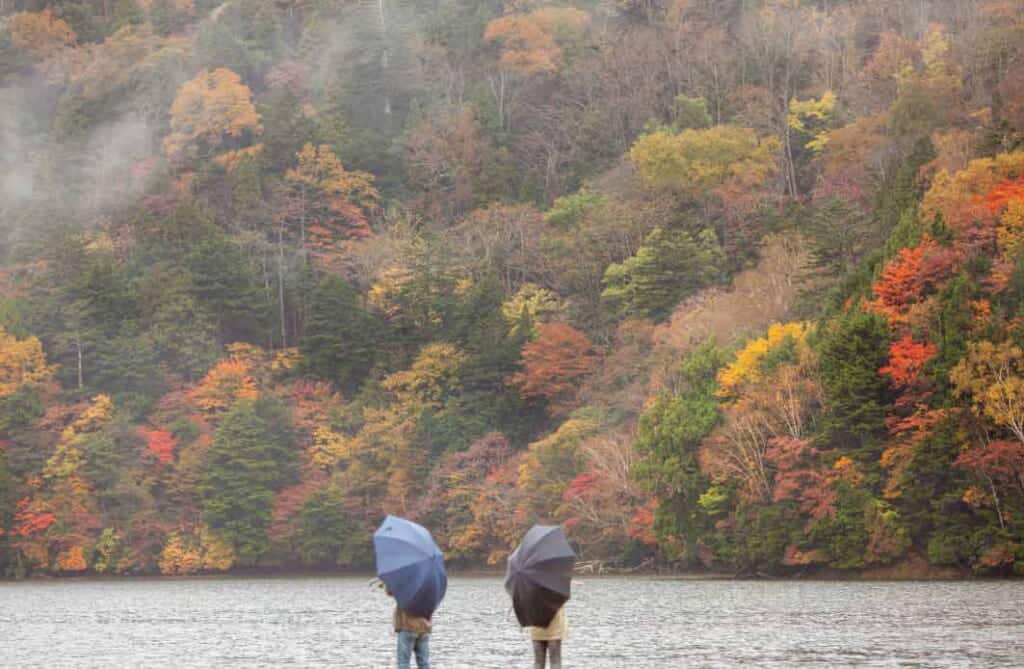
{"x":790,"y":168}
{"x":78,"y":351}
{"x":385,"y":56}
{"x":280,"y":287}
{"x":995,"y":498}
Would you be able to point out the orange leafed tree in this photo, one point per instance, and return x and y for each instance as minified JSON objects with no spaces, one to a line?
{"x":555,"y":364}
{"x":29,"y":520}
{"x":73,"y":559}
{"x":529,"y":40}
{"x":997,"y":198}
{"x":899,"y":285}
{"x":906,"y":360}
{"x":210,"y":108}
{"x":40,"y":33}
{"x":326,"y":202}
{"x":160,"y":444}
{"x":960,"y":197}
{"x":641,"y":525}
{"x":228,"y":382}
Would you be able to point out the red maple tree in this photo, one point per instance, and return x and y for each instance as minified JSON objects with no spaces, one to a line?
{"x":28,"y":521}
{"x":997,"y":198}
{"x":554,"y":364}
{"x":906,"y":360}
{"x":160,"y":444}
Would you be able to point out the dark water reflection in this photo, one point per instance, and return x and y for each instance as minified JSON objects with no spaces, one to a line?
{"x":615,"y":623}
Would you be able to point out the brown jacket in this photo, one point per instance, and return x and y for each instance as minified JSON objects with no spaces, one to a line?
{"x":408,"y":622}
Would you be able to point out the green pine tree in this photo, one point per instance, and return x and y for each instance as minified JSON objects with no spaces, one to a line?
{"x":252,"y":457}
{"x":669,"y":267}
{"x":852,"y":350}
{"x":339,"y":342}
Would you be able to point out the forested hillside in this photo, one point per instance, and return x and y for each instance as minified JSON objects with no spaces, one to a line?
{"x":717,"y":284}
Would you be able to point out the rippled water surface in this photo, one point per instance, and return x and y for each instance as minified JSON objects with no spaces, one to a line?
{"x":614,"y":623}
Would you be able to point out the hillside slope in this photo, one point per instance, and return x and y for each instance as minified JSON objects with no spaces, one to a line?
{"x":716,"y":285}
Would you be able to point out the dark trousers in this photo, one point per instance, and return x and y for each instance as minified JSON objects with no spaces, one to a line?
{"x":544,"y":650}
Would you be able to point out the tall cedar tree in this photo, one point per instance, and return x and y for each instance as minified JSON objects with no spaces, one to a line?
{"x":852,"y":352}
{"x":341,"y":337}
{"x":252,"y":456}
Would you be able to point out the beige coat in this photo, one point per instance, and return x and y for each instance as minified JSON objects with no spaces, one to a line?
{"x":407,"y":622}
{"x":558,"y":630}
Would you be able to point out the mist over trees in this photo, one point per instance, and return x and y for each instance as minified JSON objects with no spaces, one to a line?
{"x":717,"y":284}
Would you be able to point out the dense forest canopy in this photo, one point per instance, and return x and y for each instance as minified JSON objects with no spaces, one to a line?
{"x":724,"y":284}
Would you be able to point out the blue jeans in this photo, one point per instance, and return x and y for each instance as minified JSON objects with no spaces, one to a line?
{"x":409,"y":642}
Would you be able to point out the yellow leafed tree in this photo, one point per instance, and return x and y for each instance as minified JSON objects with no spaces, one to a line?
{"x":228,"y":382}
{"x":747,"y":366}
{"x":185,"y":554}
{"x":178,"y":558}
{"x":551,"y":463}
{"x":211,"y":107}
{"x":21,"y":361}
{"x":1011,"y":229}
{"x":329,"y":448}
{"x":325,"y":201}
{"x":64,"y":462}
{"x":95,"y":416}
{"x":40,"y":33}
{"x":232,"y":160}
{"x":536,"y":303}
{"x":992,"y":375}
{"x":694,"y":162}
{"x":810,"y":115}
{"x":435,"y":370}
{"x":217,"y":554}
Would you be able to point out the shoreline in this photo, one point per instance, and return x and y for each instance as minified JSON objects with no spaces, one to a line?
{"x":892,"y":573}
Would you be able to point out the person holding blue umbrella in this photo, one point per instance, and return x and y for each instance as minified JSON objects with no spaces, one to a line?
{"x":411,"y":566}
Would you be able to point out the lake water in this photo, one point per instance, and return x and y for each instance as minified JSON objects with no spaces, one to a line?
{"x":614,"y":624}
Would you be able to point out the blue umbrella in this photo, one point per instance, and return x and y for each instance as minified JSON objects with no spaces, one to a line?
{"x":411,"y":565}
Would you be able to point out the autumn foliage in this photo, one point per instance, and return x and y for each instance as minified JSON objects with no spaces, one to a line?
{"x":28,"y":521}
{"x":530,"y":41}
{"x":554,"y":364}
{"x":160,"y":444}
{"x":906,"y":360}
{"x":326,"y":203}
{"x":212,"y":108}
{"x":997,"y":198}
{"x":734,"y":286}
{"x":229,"y":380}
{"x":21,"y":362}
{"x":40,"y":33}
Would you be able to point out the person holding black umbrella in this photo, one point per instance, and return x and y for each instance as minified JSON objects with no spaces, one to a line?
{"x":547,"y":641}
{"x":539,"y":580}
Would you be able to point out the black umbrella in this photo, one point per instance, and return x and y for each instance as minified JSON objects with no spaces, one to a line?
{"x":539,"y":575}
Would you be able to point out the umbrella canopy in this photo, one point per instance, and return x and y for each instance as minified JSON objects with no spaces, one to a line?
{"x":539,"y":575}
{"x":411,"y":565}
